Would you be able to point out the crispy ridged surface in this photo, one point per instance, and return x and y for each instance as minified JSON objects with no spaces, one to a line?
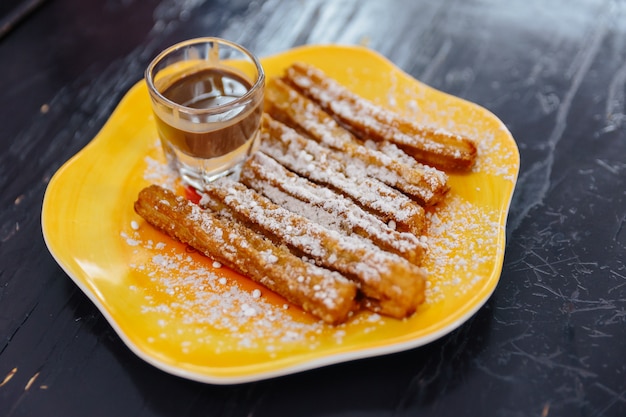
{"x":325,"y":207}
{"x":329,"y":212}
{"x":392,"y":285}
{"x":321,"y":292}
{"x":433,"y":146}
{"x":285,"y":104}
{"x":313,"y":161}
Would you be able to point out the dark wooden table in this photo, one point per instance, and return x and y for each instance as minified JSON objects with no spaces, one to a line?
{"x":551,"y":341}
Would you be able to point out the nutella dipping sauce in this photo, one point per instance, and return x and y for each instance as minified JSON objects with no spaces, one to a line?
{"x":207,"y":97}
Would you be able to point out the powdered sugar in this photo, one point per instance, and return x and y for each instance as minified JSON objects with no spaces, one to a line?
{"x":325,"y":207}
{"x":194,"y":293}
{"x":311,"y":160}
{"x":304,"y":235}
{"x":157,"y":172}
{"x":294,"y":109}
{"x":378,"y":122}
{"x":463,"y":240}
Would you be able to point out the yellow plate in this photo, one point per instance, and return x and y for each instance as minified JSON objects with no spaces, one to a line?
{"x":177,"y":310}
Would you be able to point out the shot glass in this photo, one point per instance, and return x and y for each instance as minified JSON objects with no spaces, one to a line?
{"x":207,"y":98}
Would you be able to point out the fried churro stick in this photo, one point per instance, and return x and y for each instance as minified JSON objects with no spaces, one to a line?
{"x":325,"y":294}
{"x":285,"y":104}
{"x":280,"y":96}
{"x":392,"y":285}
{"x":324,"y":206}
{"x":432,"y":146}
{"x":315,"y":162}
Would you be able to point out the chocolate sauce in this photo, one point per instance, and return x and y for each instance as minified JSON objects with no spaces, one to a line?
{"x":206,"y":89}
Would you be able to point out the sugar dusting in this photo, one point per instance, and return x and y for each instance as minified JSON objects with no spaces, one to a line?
{"x":185,"y":293}
{"x":195,"y":300}
{"x":181,"y":290}
{"x":463,"y":240}
{"x":494,"y":158}
{"x":200,"y":295}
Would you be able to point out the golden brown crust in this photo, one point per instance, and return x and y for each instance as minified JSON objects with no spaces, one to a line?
{"x":323,"y":293}
{"x":329,"y":212}
{"x":433,"y":146}
{"x":311,"y":160}
{"x":395,"y":286}
{"x":425,"y":184}
{"x":324,"y":206}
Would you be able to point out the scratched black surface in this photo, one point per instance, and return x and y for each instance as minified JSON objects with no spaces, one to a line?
{"x":551,"y":341}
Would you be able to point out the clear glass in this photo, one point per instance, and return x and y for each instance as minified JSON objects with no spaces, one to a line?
{"x":207,"y":98}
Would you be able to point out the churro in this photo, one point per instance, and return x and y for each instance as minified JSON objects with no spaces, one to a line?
{"x":390,"y":284}
{"x":285,"y":104}
{"x":324,"y":206}
{"x":317,"y":163}
{"x":330,"y":211}
{"x":321,"y":292}
{"x":433,"y":146}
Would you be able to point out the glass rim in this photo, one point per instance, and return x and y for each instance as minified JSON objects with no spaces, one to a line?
{"x":216,"y":109}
